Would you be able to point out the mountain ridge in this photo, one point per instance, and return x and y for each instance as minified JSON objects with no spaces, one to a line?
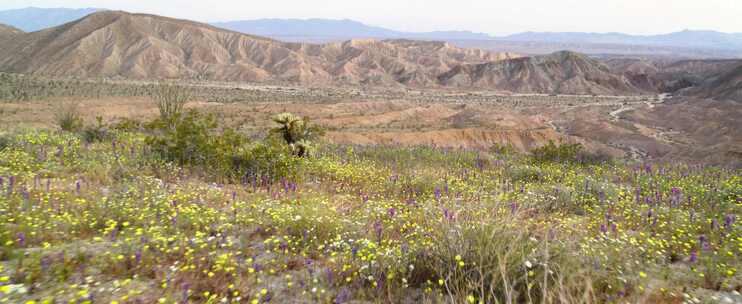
{"x":685,"y":38}
{"x":116,"y":43}
{"x":562,"y":72}
{"x":145,"y":46}
{"x":299,"y":30}
{"x":31,"y":19}
{"x":318,"y":30}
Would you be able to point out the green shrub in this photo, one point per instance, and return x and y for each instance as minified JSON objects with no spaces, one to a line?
{"x":557,"y":153}
{"x":4,"y":141}
{"x":266,"y":159}
{"x":128,"y":125}
{"x":96,"y":133}
{"x":526,"y":173}
{"x":195,"y":139}
{"x":503,"y":149}
{"x":68,"y":118}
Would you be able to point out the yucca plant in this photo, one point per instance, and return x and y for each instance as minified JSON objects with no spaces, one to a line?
{"x":297,"y":132}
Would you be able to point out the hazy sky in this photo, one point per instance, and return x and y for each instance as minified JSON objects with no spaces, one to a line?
{"x":489,"y":16}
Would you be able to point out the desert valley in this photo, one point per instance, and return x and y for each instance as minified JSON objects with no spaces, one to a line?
{"x":148,"y":159}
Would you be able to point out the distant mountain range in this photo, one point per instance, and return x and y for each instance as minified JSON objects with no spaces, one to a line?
{"x":326,"y":30}
{"x":32,"y":19}
{"x":685,"y":39}
{"x":685,"y":43}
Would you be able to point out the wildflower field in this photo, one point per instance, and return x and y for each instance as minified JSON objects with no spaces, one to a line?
{"x":109,"y":219}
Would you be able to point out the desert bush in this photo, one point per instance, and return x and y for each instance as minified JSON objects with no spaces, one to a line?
{"x":128,"y":125}
{"x":187,"y":139}
{"x":267,"y":159}
{"x":557,"y":153}
{"x":526,"y":173}
{"x":503,"y":149}
{"x":4,"y":141}
{"x":170,"y":100}
{"x":97,"y":132}
{"x":597,"y":157}
{"x":68,"y":117}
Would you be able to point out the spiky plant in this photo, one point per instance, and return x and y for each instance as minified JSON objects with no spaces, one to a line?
{"x":297,"y":132}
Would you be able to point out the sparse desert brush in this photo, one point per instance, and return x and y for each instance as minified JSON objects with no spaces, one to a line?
{"x":68,"y":117}
{"x":170,"y":100}
{"x":563,"y":152}
{"x":97,"y":132}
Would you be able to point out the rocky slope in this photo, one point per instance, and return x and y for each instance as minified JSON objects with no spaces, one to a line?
{"x":139,"y":46}
{"x":7,"y":32}
{"x":562,"y":72}
{"x":725,"y":86}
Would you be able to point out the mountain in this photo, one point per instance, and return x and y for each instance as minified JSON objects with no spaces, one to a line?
{"x":293,"y":29}
{"x":32,"y":19}
{"x":7,"y":31}
{"x":684,"y":39}
{"x":562,"y":72}
{"x":140,"y":46}
{"x":668,"y":75}
{"x":685,"y":44}
{"x":725,"y":86}
{"x":146,"y":46}
{"x":327,"y":30}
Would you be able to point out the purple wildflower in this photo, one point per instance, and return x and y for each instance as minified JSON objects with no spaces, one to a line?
{"x":693,"y":256}
{"x":114,"y":233}
{"x":185,"y":287}
{"x":21,"y":237}
{"x":378,"y":228}
{"x":729,"y":220}
{"x":329,"y":275}
{"x":45,"y":262}
{"x":603,"y":228}
{"x":638,"y":195}
{"x":343,"y":296}
{"x":411,"y":201}
{"x":11,"y":183}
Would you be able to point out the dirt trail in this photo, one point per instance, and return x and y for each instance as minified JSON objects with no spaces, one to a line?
{"x":645,"y":130}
